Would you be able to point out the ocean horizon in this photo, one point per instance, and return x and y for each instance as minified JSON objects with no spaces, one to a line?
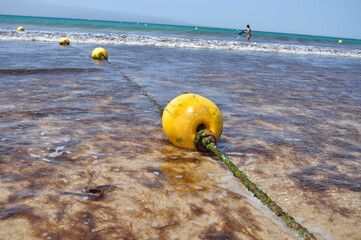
{"x":223,"y":29}
{"x":137,"y":33}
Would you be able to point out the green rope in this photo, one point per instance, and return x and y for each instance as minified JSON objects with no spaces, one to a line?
{"x":159,"y":107}
{"x":209,"y":143}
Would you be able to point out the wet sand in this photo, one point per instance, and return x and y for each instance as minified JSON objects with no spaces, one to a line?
{"x":152,"y":190}
{"x":63,"y":133}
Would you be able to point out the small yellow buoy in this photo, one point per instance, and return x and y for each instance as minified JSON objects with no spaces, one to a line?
{"x":64,"y":41}
{"x":186,"y":115}
{"x":196,"y":28}
{"x":20,"y":28}
{"x":340,"y":41}
{"x":100,"y":53}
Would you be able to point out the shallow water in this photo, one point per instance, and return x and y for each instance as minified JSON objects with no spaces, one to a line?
{"x":67,"y":122}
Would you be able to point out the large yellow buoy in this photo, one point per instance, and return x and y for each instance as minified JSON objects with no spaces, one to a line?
{"x":20,"y":28}
{"x":340,"y":41}
{"x":64,"y":41}
{"x":186,"y":115}
{"x":100,"y":53}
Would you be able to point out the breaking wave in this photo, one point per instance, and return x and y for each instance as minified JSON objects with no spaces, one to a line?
{"x":143,"y":40}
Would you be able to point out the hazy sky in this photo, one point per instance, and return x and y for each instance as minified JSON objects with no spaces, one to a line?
{"x":339,"y":18}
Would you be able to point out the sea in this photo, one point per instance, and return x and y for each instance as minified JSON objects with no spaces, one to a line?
{"x":83,"y":154}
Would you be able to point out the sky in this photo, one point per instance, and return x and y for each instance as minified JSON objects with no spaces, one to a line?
{"x":335,"y":18}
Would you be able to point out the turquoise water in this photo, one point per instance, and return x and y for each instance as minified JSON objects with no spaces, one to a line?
{"x":107,"y":25}
{"x":308,"y":37}
{"x":36,"y":23}
{"x":129,"y":33}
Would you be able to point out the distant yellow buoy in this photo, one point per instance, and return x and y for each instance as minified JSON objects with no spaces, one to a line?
{"x":340,"y":41}
{"x":186,"y":115}
{"x":64,"y":41}
{"x":20,"y":28}
{"x":196,"y":28}
{"x":100,"y":53}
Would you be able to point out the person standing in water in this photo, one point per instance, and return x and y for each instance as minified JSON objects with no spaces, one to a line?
{"x":248,"y":31}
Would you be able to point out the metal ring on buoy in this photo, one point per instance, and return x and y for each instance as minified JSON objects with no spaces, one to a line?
{"x":64,"y":41}
{"x":20,"y":28}
{"x":100,"y":53}
{"x":186,"y":115}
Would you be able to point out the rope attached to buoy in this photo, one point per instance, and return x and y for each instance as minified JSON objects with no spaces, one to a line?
{"x":154,"y":102}
{"x":205,"y":141}
{"x":101,"y":54}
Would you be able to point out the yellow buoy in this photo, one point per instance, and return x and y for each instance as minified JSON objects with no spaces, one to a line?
{"x":20,"y":28}
{"x":340,"y":41}
{"x":100,"y":53}
{"x":186,"y":115}
{"x":64,"y":41}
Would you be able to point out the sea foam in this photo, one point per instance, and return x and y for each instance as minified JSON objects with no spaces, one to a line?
{"x":176,"y":42}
